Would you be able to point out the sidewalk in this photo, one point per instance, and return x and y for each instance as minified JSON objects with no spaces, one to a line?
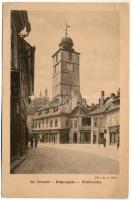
{"x":107,"y":152}
{"x":16,"y":163}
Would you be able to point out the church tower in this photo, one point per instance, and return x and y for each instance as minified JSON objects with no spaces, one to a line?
{"x":66,"y":79}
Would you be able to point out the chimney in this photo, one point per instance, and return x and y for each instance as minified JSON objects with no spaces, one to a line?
{"x":113,"y":95}
{"x":84,"y":102}
{"x":99,"y":102}
{"x":102,"y":94}
{"x":102,"y":98}
{"x":118,"y":93}
{"x":92,"y":104}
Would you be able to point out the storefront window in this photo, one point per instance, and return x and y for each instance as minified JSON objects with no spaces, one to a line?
{"x":85,"y":137}
{"x":113,"y":138}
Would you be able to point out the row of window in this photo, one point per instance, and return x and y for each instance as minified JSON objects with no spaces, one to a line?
{"x":51,"y":123}
{"x":46,"y":111}
{"x":47,"y":123}
{"x":54,"y":122}
{"x":85,"y":122}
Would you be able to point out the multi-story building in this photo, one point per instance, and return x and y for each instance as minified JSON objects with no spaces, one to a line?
{"x":105,"y":122}
{"x":22,"y":81}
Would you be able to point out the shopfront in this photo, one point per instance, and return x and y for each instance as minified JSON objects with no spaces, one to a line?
{"x":85,"y":137}
{"x":114,"y":135}
{"x":64,"y":136}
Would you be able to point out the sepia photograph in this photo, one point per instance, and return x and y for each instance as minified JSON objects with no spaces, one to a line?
{"x":65,"y":91}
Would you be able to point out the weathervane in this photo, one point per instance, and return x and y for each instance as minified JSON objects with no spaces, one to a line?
{"x":67,"y":26}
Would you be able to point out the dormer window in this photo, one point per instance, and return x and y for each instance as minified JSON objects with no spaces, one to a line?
{"x":55,"y":109}
{"x":39,"y":112}
{"x":46,"y":111}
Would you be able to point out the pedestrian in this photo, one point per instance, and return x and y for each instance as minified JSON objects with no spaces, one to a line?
{"x":118,"y":143}
{"x":36,"y":141}
{"x":104,"y":142}
{"x":31,"y":142}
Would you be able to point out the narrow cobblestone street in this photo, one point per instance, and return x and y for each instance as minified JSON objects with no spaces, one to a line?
{"x":66,"y":159}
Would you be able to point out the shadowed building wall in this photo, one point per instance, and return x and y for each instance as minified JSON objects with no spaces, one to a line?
{"x":22,"y":82}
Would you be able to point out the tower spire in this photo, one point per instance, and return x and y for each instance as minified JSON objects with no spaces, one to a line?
{"x":66,"y":29}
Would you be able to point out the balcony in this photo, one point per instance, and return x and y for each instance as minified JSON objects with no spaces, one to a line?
{"x":88,"y":127}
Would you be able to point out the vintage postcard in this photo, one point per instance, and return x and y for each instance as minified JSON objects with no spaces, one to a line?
{"x":65,"y":100}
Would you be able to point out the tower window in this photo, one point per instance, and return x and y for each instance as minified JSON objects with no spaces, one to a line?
{"x":70,"y":55}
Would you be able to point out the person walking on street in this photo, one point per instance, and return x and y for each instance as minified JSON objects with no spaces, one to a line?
{"x":36,"y":141}
{"x":104,"y":142}
{"x":118,"y":143}
{"x":31,"y":142}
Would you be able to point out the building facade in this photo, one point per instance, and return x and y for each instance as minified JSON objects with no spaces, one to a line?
{"x":22,"y":82}
{"x":105,"y":120}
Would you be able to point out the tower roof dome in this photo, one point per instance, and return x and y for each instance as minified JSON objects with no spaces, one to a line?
{"x":66,"y":43}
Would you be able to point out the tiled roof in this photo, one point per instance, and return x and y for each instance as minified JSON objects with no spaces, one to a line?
{"x":55,"y":103}
{"x":98,"y":110}
{"x":81,"y":110}
{"x":106,"y":108}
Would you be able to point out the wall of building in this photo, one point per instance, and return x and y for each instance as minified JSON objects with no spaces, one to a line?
{"x":104,"y":121}
{"x":65,"y":55}
{"x":22,"y":83}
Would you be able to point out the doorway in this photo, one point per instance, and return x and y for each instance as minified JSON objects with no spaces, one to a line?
{"x":75,"y":137}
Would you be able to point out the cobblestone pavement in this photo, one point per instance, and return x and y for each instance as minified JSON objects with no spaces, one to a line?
{"x":63,"y":159}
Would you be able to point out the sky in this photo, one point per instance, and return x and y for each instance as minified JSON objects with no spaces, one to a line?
{"x":96,"y":35}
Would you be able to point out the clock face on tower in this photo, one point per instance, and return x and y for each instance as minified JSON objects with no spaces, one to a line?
{"x":69,"y":67}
